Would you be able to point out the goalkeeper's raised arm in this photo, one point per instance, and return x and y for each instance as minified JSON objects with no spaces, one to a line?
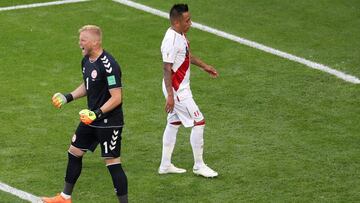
{"x":101,"y":120}
{"x":59,"y":99}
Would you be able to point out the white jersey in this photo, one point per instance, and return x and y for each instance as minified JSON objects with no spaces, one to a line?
{"x":175,"y":50}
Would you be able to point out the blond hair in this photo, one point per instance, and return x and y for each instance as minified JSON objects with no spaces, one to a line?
{"x":94,"y":30}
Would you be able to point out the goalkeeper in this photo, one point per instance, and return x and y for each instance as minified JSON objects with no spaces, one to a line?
{"x":102,"y":122}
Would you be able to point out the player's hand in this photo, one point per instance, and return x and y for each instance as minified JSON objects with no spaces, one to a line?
{"x":212,"y":71}
{"x":87,"y":116}
{"x":58,"y":100}
{"x":169,"y":106}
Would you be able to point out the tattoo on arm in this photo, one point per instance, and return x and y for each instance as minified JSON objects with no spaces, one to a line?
{"x":167,"y":78}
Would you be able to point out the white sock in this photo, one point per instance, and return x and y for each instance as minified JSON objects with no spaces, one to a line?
{"x":65,"y":196}
{"x":197,"y":144}
{"x":169,"y":139}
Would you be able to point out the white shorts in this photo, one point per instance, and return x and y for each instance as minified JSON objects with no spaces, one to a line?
{"x":185,"y":111}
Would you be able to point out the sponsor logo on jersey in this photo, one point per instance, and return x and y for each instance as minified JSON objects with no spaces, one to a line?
{"x":114,"y":139}
{"x":107,"y":64}
{"x":109,"y":70}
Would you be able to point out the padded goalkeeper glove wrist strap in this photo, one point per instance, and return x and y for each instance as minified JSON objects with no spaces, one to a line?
{"x":69,"y":97}
{"x":98,"y":113}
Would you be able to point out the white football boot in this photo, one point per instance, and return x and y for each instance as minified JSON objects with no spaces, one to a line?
{"x":171,"y":169}
{"x":205,"y":171}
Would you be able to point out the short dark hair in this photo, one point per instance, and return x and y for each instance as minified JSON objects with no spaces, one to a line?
{"x":177,"y":10}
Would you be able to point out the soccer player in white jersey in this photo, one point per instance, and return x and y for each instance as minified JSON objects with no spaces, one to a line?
{"x":180,"y":106}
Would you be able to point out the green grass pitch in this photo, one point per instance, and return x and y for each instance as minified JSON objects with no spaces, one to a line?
{"x":276,"y":131}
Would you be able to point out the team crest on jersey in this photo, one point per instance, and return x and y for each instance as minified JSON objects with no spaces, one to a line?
{"x":94,"y":74}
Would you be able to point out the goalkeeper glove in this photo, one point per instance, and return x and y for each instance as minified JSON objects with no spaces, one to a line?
{"x":59,"y":99}
{"x":87,"y":116}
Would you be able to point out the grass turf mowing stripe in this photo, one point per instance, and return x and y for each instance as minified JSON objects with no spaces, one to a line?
{"x":19,"y":193}
{"x":311,"y":64}
{"x":40,"y":4}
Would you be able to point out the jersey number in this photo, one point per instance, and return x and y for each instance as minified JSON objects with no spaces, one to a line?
{"x":106,"y":147}
{"x":87,"y":83}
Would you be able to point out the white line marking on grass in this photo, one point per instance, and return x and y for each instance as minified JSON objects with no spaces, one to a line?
{"x":40,"y":4}
{"x":19,"y":193}
{"x":311,"y":64}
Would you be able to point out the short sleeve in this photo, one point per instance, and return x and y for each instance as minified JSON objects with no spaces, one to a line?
{"x":82,"y":65}
{"x":168,"y":50}
{"x":112,"y":72}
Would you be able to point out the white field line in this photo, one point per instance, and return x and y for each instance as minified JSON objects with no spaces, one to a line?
{"x":311,"y":64}
{"x":40,"y":4}
{"x":19,"y":193}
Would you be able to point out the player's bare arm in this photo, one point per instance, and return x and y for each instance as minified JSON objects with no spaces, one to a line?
{"x":169,"y":106}
{"x":79,"y":92}
{"x":60,"y":99}
{"x":114,"y":101}
{"x":208,"y":68}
